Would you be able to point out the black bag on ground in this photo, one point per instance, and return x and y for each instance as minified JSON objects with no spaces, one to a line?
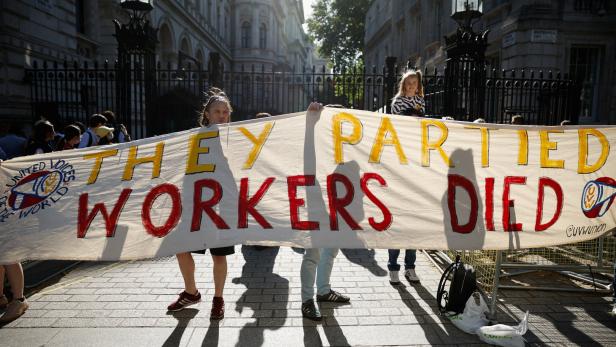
{"x":463,"y":282}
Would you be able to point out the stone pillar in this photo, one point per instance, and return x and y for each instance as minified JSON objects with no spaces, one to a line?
{"x":238,"y":29}
{"x":254,"y":37}
{"x":270,"y":32}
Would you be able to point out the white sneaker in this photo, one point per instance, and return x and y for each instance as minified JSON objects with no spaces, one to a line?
{"x":393,"y":277}
{"x":411,"y":276}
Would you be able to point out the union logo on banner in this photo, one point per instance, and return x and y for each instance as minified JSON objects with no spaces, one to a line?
{"x":35,"y":188}
{"x":598,"y":196}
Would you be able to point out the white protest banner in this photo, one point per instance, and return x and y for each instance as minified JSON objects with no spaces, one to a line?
{"x":344,"y":178}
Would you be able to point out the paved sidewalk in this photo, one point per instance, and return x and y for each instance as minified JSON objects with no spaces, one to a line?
{"x":124,"y":304}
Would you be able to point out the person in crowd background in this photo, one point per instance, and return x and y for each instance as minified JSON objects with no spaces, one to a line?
{"x":13,"y":143}
{"x":262,"y":115}
{"x":43,"y":135}
{"x":72,"y":137}
{"x":105,"y":135}
{"x":81,"y":126}
{"x":89,"y":137}
{"x":518,"y":119}
{"x":120,"y":133}
{"x":217,"y":110}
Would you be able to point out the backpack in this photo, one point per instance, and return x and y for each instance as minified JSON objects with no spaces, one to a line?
{"x":463,"y":282}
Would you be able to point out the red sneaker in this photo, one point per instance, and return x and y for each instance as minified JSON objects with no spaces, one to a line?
{"x":184,"y":300}
{"x":218,"y":308}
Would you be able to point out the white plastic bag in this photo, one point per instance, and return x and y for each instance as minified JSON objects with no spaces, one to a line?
{"x":504,"y":335}
{"x":473,"y":316}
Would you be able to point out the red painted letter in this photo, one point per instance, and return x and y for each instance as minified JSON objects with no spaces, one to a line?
{"x":387,"y":217}
{"x":174,"y":216}
{"x":246,"y":205}
{"x":337,"y":205}
{"x":84,"y":219}
{"x":455,"y":181}
{"x":507,"y":203}
{"x":200,"y":206}
{"x":295,"y":203}
{"x":543,"y":182}
{"x":490,"y":203}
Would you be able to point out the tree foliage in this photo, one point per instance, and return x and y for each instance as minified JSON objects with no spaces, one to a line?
{"x":338,"y":27}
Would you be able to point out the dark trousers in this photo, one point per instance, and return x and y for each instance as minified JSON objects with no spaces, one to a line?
{"x":409,"y":259}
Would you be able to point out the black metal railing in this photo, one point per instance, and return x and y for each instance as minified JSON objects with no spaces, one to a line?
{"x":591,"y":6}
{"x":496,"y":95}
{"x":69,"y":92}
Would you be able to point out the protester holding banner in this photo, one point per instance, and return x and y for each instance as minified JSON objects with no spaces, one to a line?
{"x":217,"y":110}
{"x":613,"y":312}
{"x":317,"y":263}
{"x":408,"y":101}
{"x":614,"y":290}
{"x":19,"y":304}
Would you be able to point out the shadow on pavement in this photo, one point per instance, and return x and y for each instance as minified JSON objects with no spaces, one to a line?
{"x":212,"y":335}
{"x":184,"y":316}
{"x":365,"y":258}
{"x":261,"y":261}
{"x":441,"y":327}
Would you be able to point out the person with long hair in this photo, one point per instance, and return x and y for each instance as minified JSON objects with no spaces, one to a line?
{"x":217,"y":110}
{"x":409,"y":101}
{"x":72,"y":137}
{"x":44,"y":133}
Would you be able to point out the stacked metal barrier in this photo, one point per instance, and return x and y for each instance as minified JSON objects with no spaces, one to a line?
{"x":582,"y":261}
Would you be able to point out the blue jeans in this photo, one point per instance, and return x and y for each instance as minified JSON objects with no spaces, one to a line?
{"x":409,"y":259}
{"x":317,"y":263}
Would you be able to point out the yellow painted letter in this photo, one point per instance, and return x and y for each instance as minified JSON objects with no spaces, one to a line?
{"x":99,"y":161}
{"x":133,"y":161}
{"x":523,"y":152}
{"x":192,"y":163}
{"x":583,"y":168}
{"x":257,"y":142}
{"x":546,"y":147}
{"x":426,"y":147}
{"x":352,"y":139}
{"x":377,"y":148}
{"x":485,"y":145}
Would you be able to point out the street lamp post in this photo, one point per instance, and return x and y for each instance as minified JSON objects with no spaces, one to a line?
{"x":465,"y":72}
{"x":137,"y":41}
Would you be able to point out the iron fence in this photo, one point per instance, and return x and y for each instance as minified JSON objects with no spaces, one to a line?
{"x":166,"y":99}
